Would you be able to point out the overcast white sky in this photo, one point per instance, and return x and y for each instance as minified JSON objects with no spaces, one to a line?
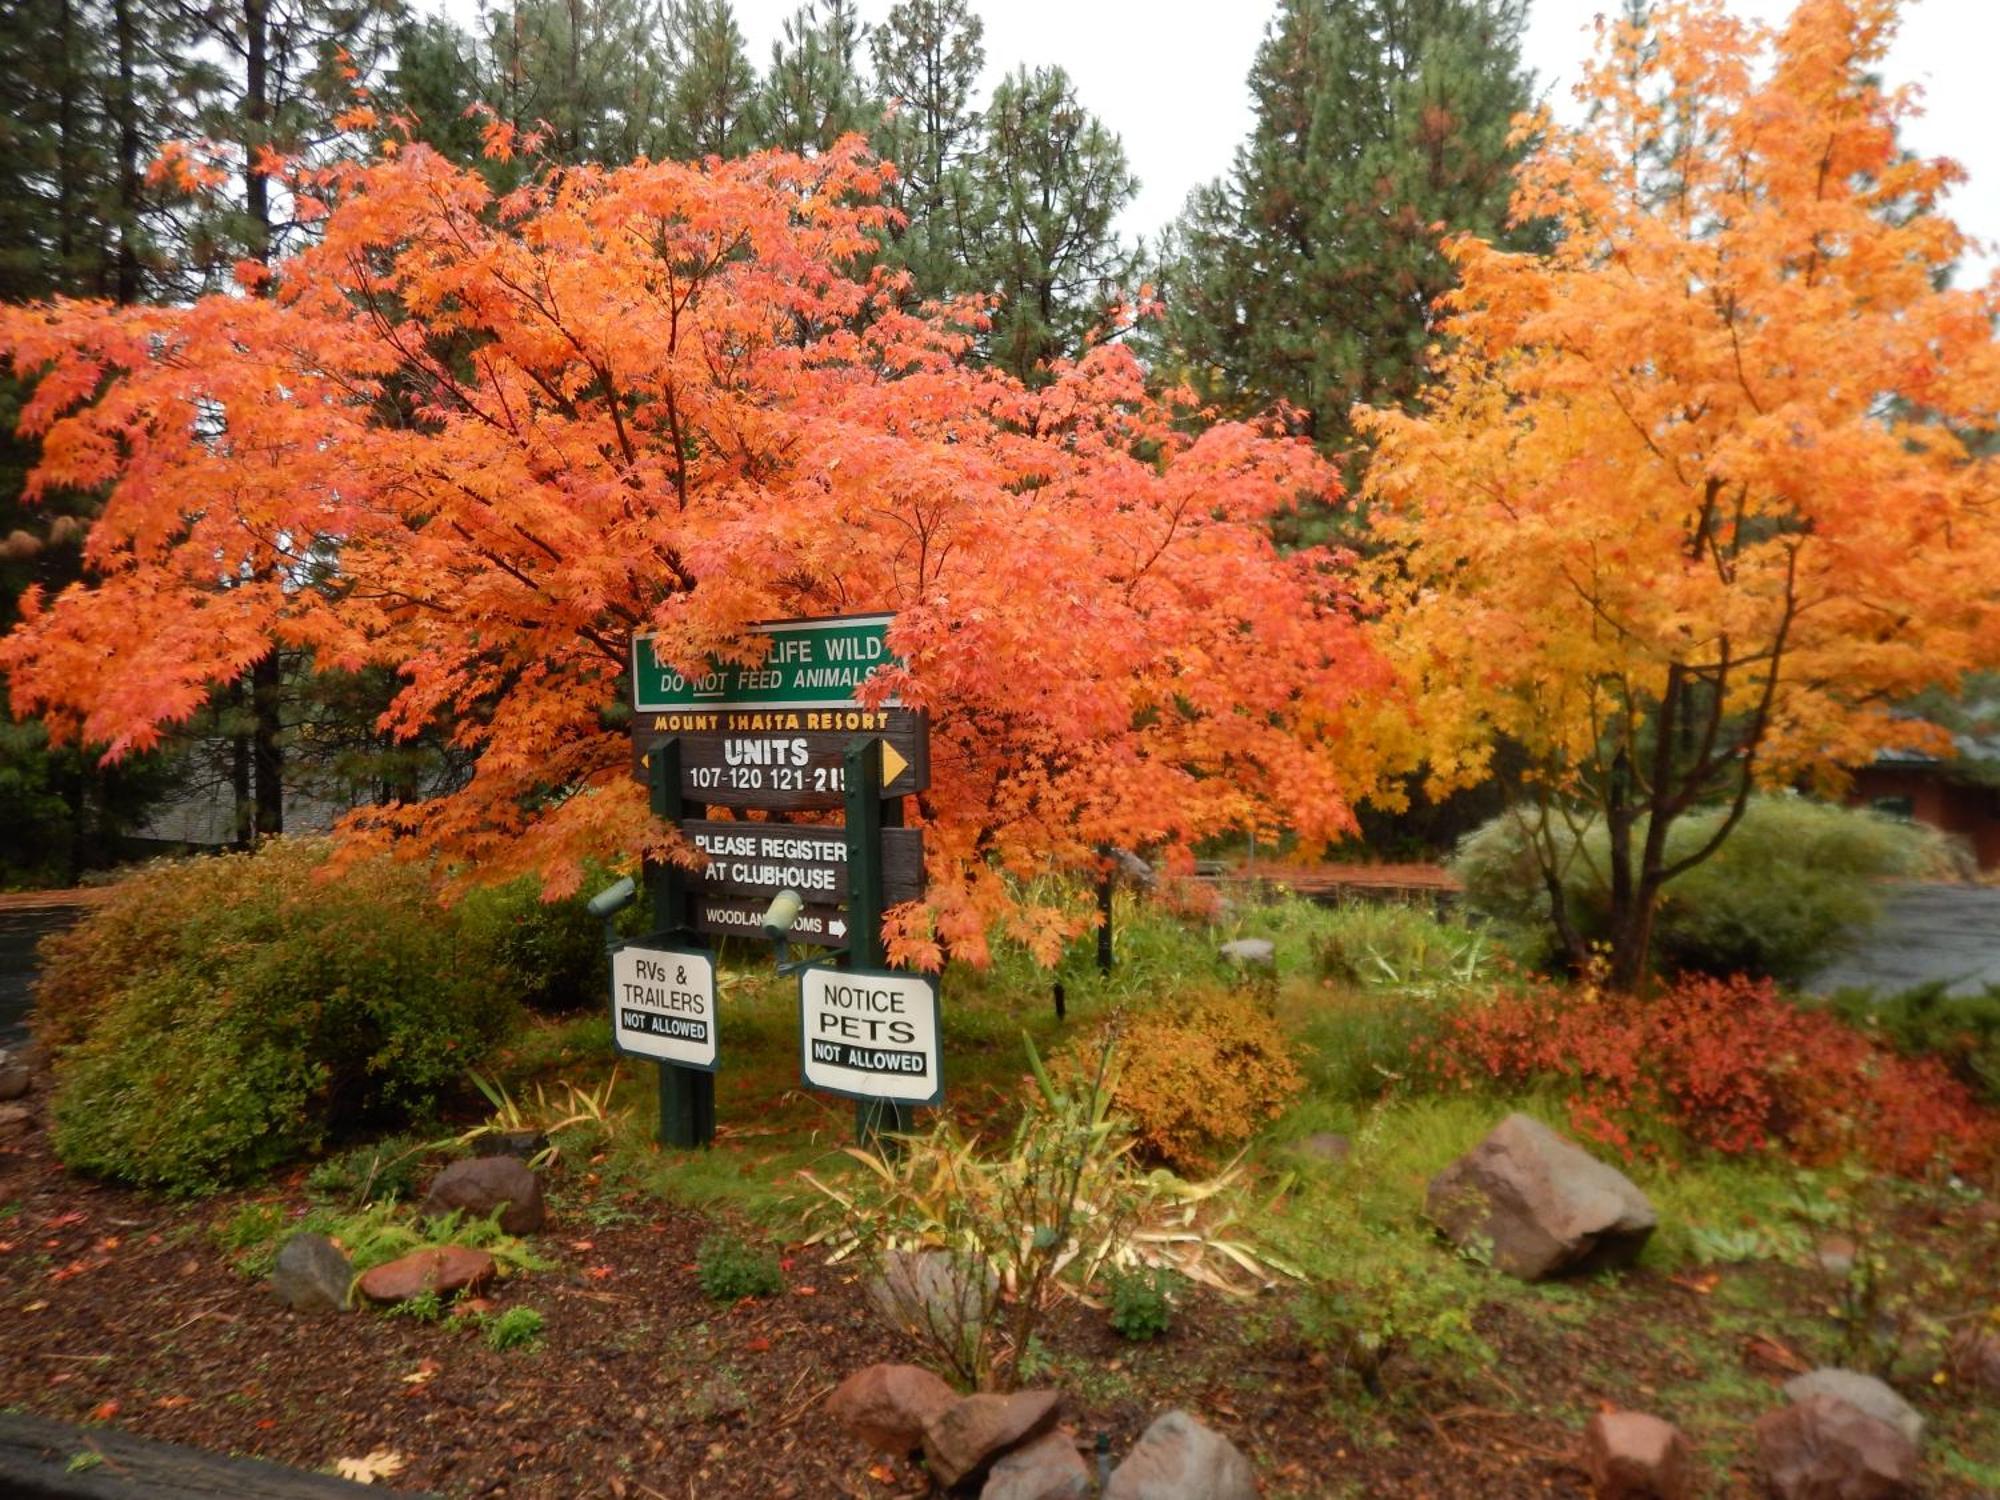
{"x":1168,"y":76}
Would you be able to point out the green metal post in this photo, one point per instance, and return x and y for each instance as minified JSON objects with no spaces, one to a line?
{"x":687,"y":1095}
{"x":867,"y":815}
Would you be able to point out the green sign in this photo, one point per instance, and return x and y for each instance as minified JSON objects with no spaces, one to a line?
{"x":812,"y":664}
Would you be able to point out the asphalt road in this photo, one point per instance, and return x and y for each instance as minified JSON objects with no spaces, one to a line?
{"x":1927,"y":932}
{"x":20,"y":931}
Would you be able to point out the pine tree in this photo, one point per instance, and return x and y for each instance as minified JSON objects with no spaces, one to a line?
{"x":815,"y":92}
{"x":1052,"y":180}
{"x":928,"y":55}
{"x":1308,"y":277}
{"x":713,"y":105}
{"x":597,"y":73}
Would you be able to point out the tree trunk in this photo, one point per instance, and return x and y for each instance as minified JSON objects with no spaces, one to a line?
{"x":239,"y":773}
{"x":257,"y":116}
{"x":266,"y":701}
{"x":126,"y":286}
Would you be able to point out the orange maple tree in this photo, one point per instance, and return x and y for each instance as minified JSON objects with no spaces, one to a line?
{"x":1697,"y":496}
{"x":484,"y":442}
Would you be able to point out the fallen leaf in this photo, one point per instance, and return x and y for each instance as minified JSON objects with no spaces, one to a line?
{"x":881,"y":1473}
{"x":598,"y":1273}
{"x":580,"y":1246}
{"x":174,"y":1403}
{"x":104,"y":1411}
{"x":757,"y":1346}
{"x":381,"y":1464}
{"x":806,"y":1291}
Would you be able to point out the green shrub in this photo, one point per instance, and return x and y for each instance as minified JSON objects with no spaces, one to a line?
{"x":1142,"y":1302}
{"x":387,"y":1170}
{"x":1390,"y":943}
{"x":1962,"y":1031}
{"x":1792,"y":881}
{"x":516,"y":1328}
{"x":552,"y":951}
{"x":730,"y":1268}
{"x":219,"y":1017}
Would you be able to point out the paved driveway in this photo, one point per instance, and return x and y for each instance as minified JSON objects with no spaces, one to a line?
{"x":1926,"y":932}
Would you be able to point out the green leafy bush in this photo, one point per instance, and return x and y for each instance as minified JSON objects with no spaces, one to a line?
{"x":218,"y":1017}
{"x":552,"y":951}
{"x":1793,"y":881}
{"x":516,"y":1328}
{"x":389,"y":1169}
{"x":1961,"y":1031}
{"x":1142,"y":1302}
{"x":730,"y":1268}
{"x":1389,"y":943}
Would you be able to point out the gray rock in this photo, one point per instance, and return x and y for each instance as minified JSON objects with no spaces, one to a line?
{"x":936,"y":1297}
{"x":1179,"y":1459}
{"x":16,"y":1077}
{"x":1049,"y":1468}
{"x":1252,"y":953}
{"x":1132,"y":870}
{"x":1823,"y":1448}
{"x":1540,"y":1203}
{"x":312,"y":1275}
{"x":478,"y":1186}
{"x":1632,"y":1456}
{"x":886,"y":1406}
{"x":1863,"y":1391}
{"x":961,"y":1440}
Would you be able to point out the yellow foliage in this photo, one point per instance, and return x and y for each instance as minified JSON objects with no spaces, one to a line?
{"x":1199,"y":1075}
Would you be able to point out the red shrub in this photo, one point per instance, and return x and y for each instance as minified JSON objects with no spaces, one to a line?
{"x":1731,"y":1064}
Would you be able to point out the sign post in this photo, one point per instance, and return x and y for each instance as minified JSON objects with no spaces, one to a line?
{"x":687,"y":1094}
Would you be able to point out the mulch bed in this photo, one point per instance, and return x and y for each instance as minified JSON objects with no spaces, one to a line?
{"x":120,"y":1308}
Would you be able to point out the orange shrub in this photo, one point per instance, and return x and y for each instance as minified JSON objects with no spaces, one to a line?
{"x":1197,"y":1077}
{"x":1731,"y":1064}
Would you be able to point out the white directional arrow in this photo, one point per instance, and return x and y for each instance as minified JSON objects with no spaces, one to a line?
{"x":836,"y":927}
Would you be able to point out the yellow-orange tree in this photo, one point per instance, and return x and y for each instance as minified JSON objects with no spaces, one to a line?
{"x":1696,"y":496}
{"x":484,"y":442}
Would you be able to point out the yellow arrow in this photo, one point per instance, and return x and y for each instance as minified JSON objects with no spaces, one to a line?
{"x":893,"y":765}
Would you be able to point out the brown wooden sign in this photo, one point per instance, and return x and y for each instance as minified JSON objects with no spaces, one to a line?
{"x":736,"y":916}
{"x":766,"y":760}
{"x":758,"y":860}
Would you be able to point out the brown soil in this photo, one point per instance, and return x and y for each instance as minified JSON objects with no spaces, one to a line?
{"x":120,"y":1308}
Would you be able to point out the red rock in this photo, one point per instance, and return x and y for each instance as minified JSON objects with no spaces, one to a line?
{"x":478,"y":1186}
{"x":449,"y":1269}
{"x":1632,"y":1456}
{"x":1823,"y":1448}
{"x":969,"y":1434}
{"x":886,"y":1406}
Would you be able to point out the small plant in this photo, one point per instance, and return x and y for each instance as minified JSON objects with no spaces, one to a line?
{"x":250,"y":1227}
{"x":1008,"y":1231}
{"x":424,"y":1307}
{"x":1142,"y":1302}
{"x":730,"y":1268}
{"x":583,"y":1117}
{"x":516,"y":1328}
{"x":387,"y":1170}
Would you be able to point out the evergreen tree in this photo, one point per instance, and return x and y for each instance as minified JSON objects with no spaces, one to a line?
{"x":1052,"y":180}
{"x":597,"y":73}
{"x":1308,"y":276}
{"x":928,"y":55}
{"x":815,"y":92}
{"x":713,"y":106}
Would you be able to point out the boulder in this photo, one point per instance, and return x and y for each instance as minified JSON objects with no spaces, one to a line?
{"x":312,"y":1275}
{"x":15,"y":1117}
{"x":1541,"y":1203}
{"x":1049,"y":1468}
{"x":968,"y":1435}
{"x":1179,"y":1459}
{"x":1823,"y":1448}
{"x":15,"y":1075}
{"x":478,"y":1186}
{"x":886,"y":1406}
{"x":1251,"y":953}
{"x":1632,"y":1456}
{"x":933,"y":1295}
{"x":1835,"y":1255}
{"x":1863,"y":1391}
{"x":451,"y":1268}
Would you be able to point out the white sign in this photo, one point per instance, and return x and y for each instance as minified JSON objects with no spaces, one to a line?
{"x":870,"y":1036}
{"x":663,"y":1005}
